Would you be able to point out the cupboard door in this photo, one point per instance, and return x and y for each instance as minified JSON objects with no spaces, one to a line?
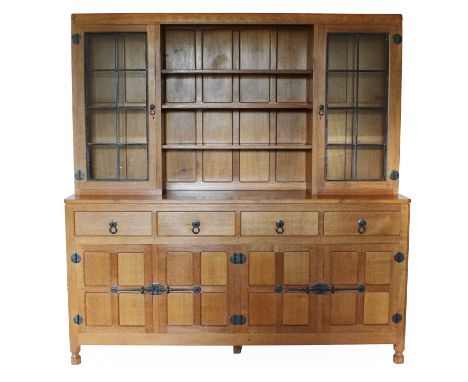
{"x":204,"y":280}
{"x":102,"y":268}
{"x":266,"y":299}
{"x":359,"y":109}
{"x":375,"y":268}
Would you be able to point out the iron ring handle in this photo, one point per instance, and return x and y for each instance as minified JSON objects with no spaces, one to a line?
{"x":280,"y":226}
{"x":321,"y":110}
{"x":152,"y":110}
{"x":113,"y":226}
{"x":196,"y":226}
{"x":362,"y":226}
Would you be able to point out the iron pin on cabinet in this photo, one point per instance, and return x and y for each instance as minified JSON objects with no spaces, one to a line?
{"x":236,"y":181}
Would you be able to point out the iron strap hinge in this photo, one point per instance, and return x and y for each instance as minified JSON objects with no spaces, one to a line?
{"x":319,"y":289}
{"x":156,"y":289}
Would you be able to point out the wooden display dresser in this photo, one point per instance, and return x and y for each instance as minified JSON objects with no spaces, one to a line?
{"x":236,"y":181}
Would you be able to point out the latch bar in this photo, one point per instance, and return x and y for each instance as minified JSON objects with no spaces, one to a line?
{"x":156,"y":289}
{"x":318,"y":289}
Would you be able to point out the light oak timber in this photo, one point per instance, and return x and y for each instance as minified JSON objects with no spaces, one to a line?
{"x":237,"y":142}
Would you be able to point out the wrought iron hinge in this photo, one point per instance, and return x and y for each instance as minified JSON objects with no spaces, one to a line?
{"x":397,"y":38}
{"x":318,"y":289}
{"x":397,"y":318}
{"x":79,"y":175}
{"x":78,"y":319}
{"x":75,"y":258}
{"x":399,"y":257}
{"x":76,"y":38}
{"x":156,"y":289}
{"x":394,"y":175}
{"x":237,"y":319}
{"x":238,"y":258}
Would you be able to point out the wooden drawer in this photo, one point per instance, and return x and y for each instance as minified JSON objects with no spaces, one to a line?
{"x":265,"y":223}
{"x":127,"y":223}
{"x":211,"y":223}
{"x":376,"y":223}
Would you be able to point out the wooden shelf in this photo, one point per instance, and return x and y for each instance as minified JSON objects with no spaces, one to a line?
{"x":236,"y":71}
{"x":230,"y":105}
{"x":236,"y":147}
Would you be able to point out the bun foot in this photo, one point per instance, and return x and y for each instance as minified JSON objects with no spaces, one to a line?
{"x":236,"y":349}
{"x":398,"y":357}
{"x":75,"y":359}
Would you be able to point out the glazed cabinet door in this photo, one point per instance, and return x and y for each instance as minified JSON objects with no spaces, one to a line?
{"x":373,"y":278}
{"x":358,"y":111}
{"x":200,"y":288}
{"x":274,"y":295}
{"x":114,"y":109}
{"x":96,"y":275}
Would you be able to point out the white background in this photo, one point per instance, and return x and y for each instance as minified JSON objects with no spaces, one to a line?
{"x":36,"y":174}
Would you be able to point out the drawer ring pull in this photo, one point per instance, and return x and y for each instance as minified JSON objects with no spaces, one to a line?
{"x":196,"y":226}
{"x":280,"y":226}
{"x":113,"y":226}
{"x":362,"y":226}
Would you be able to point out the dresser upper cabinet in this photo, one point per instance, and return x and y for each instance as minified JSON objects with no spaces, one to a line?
{"x":309,"y":107}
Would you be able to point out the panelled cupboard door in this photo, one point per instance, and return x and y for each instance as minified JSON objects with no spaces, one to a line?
{"x":95,"y":279}
{"x":200,"y":288}
{"x":375,"y":268}
{"x":358,"y":78}
{"x":114,"y":109}
{"x":271,"y":297}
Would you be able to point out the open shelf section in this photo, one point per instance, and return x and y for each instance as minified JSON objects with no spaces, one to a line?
{"x":235,"y":147}
{"x":233,"y":105}
{"x":237,"y":71}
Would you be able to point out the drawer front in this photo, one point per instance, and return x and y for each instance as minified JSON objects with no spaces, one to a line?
{"x":374,"y":223}
{"x":184,"y":224}
{"x":126,"y":224}
{"x":265,"y":223}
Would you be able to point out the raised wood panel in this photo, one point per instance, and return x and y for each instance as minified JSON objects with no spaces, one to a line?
{"x":181,"y":166}
{"x":290,"y":166}
{"x":214,"y":267}
{"x":180,"y":127}
{"x":264,"y":223}
{"x":291,"y":127}
{"x":295,"y":309}
{"x":97,"y":268}
{"x":211,"y":223}
{"x":98,"y":309}
{"x":180,"y":89}
{"x":180,"y":309}
{"x":179,"y":268}
{"x":254,"y":49}
{"x":217,"y":166}
{"x":377,"y":223}
{"x":128,"y":223}
{"x":343,"y":309}
{"x":378,"y":267}
{"x":344,"y":267}
{"x":254,"y":127}
{"x":217,"y":127}
{"x":131,"y":268}
{"x":214,"y":309}
{"x":180,"y":49}
{"x":254,"y":166}
{"x":262,"y":309}
{"x":376,"y":308}
{"x":262,"y":268}
{"x":291,"y":89}
{"x":296,"y":268}
{"x":292,"y":49}
{"x":132,"y":309}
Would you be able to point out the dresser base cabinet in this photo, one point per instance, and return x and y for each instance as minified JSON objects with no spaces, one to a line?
{"x":323,"y":286}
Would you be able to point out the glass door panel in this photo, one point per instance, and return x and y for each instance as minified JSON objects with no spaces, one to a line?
{"x":116,"y":106}
{"x":357,"y":97}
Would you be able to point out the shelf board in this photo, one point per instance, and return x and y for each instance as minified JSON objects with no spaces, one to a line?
{"x":236,"y":71}
{"x":221,"y":146}
{"x":234,"y":105}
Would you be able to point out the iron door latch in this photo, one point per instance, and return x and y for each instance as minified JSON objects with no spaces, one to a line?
{"x":237,"y":319}
{"x":156,"y":289}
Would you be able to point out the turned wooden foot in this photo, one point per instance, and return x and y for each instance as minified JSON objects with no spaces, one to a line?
{"x":75,"y":357}
{"x":398,"y":357}
{"x":236,"y":349}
